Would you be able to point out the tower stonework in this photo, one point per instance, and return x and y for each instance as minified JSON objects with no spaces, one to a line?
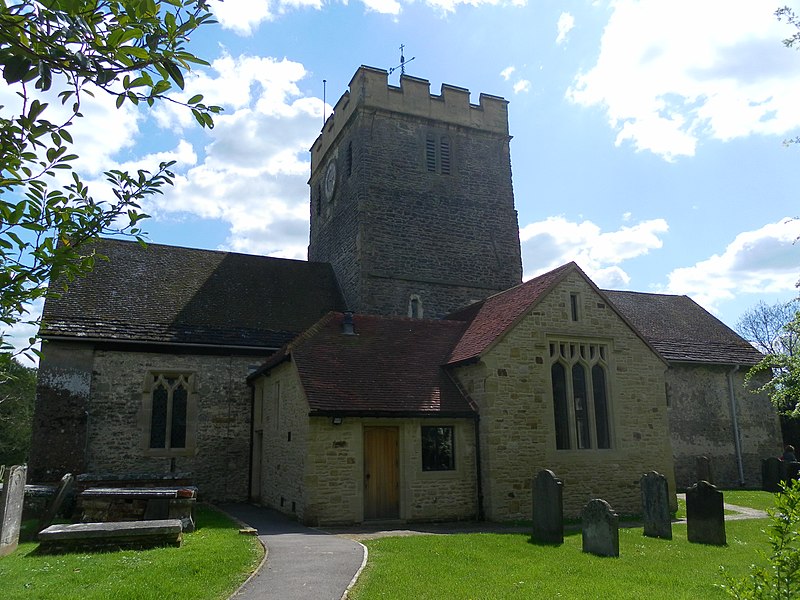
{"x":411,"y":197}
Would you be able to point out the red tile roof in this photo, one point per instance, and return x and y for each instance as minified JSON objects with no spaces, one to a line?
{"x":491,"y":317}
{"x":390,"y":367}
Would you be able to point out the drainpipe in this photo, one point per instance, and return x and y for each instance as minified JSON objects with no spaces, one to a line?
{"x":478,"y":465}
{"x":737,"y":441}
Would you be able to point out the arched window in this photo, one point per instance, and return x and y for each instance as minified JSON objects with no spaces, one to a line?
{"x":414,"y":307}
{"x":581,"y":410}
{"x":170,"y":411}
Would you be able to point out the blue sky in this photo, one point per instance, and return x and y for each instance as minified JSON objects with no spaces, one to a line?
{"x":647,"y":136}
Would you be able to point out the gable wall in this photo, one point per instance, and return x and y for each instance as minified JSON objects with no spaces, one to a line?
{"x":117,"y":430}
{"x":283,"y":457}
{"x":701,"y":425}
{"x":512,"y":386}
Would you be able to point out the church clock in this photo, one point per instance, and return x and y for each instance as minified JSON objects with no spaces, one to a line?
{"x":330,"y":180}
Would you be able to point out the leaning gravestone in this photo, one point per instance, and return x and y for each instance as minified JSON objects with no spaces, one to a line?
{"x":600,"y":526}
{"x":11,"y":501}
{"x":62,"y":492}
{"x":548,"y":508}
{"x":771,"y":474}
{"x":705,"y":515}
{"x":704,"y":472}
{"x":655,"y":506}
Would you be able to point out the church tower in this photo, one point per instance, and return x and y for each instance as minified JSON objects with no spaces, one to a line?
{"x":411,"y":197}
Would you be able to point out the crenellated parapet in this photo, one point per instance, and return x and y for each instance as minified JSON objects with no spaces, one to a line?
{"x":369,"y":88}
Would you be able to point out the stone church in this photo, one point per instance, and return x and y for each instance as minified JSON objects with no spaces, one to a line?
{"x":404,"y":371}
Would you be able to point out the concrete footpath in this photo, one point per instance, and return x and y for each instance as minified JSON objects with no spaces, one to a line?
{"x":301,"y":563}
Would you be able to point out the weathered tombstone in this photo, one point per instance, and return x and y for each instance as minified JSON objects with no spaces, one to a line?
{"x":703,"y":467}
{"x":771,"y":474}
{"x":705,"y":515}
{"x":548,"y":508}
{"x":62,"y":492}
{"x":655,"y":505}
{"x":11,"y":500}
{"x":600,"y":526}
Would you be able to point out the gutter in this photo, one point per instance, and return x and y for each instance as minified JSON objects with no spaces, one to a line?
{"x":735,"y":419}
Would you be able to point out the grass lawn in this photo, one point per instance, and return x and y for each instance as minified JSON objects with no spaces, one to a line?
{"x":210,"y":564}
{"x":500,"y":565}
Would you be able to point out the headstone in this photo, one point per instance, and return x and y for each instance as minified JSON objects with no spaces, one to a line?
{"x":771,"y":474}
{"x":655,"y":506}
{"x":62,"y":493}
{"x":703,"y":466}
{"x":705,"y":515}
{"x":600,"y":528}
{"x":11,"y":501}
{"x":548,"y":508}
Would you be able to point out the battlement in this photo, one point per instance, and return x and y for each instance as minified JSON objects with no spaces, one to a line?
{"x":370,"y":88}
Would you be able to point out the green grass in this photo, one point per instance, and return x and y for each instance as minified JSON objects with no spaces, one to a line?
{"x":752,"y":499}
{"x":499,"y":566}
{"x":210,"y":564}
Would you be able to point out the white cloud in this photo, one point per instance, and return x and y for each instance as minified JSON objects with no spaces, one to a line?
{"x":507,"y":72}
{"x":763,"y":261}
{"x":555,"y":241}
{"x":20,"y":334}
{"x":673,"y":72}
{"x":565,"y":24}
{"x":386,"y":7}
{"x":523,"y":85}
{"x":253,"y":171}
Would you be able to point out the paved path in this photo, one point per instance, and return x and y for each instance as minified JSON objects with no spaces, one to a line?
{"x":301,"y":563}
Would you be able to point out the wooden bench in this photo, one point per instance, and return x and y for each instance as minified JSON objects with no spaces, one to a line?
{"x":122,"y":534}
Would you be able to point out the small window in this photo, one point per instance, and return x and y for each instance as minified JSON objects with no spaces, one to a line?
{"x":444,"y":155}
{"x":438,"y":449}
{"x":415,"y":307}
{"x":430,"y":154}
{"x":573,"y":306}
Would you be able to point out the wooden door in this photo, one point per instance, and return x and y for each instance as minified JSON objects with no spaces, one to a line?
{"x":381,"y":473}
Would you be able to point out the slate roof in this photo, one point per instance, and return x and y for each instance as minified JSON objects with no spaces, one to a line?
{"x":682,"y":331}
{"x":173,"y":295}
{"x":390,"y":367}
{"x":490,"y":318}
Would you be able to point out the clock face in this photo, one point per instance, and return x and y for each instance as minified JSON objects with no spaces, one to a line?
{"x":330,"y":179}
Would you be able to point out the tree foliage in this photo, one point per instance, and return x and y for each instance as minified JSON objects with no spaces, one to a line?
{"x":783,"y":370}
{"x":781,"y":578}
{"x":53,"y":54}
{"x":17,"y":395}
{"x":764,"y":326}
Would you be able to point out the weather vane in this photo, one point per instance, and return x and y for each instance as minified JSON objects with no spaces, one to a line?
{"x":403,"y":62}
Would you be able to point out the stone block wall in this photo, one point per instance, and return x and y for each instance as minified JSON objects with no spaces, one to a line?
{"x":701,"y":424}
{"x":512,"y":386}
{"x":63,"y":392}
{"x":117,"y":434}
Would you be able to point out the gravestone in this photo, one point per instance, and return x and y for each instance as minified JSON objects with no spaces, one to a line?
{"x":62,"y":493}
{"x":772,"y":469}
{"x":600,"y":526}
{"x":11,"y":501}
{"x":548,"y":508}
{"x":655,"y":506}
{"x":703,"y":467}
{"x":705,"y":515}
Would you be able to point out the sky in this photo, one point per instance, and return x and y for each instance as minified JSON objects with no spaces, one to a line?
{"x":647,"y":135}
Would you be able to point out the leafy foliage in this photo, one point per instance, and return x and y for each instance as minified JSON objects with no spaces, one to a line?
{"x":59,"y":51}
{"x":783,"y":370}
{"x":781,"y":579}
{"x":17,"y":396}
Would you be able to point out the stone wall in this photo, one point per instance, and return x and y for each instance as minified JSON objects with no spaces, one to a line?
{"x":701,"y":424}
{"x":512,"y":386}
{"x":117,"y":433}
{"x":391,"y":228}
{"x":62,"y":401}
{"x":285,"y":442}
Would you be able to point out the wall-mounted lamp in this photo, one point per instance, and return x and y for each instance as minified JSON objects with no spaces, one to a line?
{"x":337,"y":420}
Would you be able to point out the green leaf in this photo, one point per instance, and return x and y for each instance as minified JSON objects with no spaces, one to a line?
{"x":174,"y":72}
{"x":195,"y":99}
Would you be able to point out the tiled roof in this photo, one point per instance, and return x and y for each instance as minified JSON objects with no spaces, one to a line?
{"x":682,"y":331}
{"x":390,"y":367}
{"x":167,"y":294}
{"x":491,"y":317}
